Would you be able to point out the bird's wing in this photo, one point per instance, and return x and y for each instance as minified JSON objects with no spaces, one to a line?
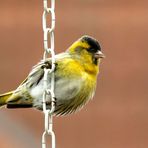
{"x":34,"y":77}
{"x":37,"y":71}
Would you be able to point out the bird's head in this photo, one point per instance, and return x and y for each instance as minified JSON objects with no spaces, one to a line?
{"x":87,"y":49}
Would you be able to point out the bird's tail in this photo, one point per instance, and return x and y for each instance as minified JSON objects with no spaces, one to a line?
{"x":4,"y":98}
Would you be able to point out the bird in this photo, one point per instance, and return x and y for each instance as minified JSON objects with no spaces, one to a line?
{"x":76,"y":72}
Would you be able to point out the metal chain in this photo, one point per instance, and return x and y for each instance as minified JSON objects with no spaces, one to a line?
{"x":49,"y":92}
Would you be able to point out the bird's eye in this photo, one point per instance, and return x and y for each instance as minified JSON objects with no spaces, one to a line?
{"x":92,"y":50}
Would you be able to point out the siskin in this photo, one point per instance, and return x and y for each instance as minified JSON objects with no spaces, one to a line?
{"x":75,"y":79}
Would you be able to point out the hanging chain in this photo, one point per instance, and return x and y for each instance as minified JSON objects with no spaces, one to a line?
{"x":49,"y":92}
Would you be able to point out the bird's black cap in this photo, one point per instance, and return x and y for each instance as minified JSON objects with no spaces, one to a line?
{"x":94,"y":44}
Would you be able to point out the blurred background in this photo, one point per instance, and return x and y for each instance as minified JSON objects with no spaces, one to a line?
{"x":118,"y":115}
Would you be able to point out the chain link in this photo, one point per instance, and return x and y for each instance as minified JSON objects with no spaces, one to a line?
{"x":48,"y":33}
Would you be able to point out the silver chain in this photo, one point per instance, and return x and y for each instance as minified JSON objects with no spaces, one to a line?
{"x":49,"y":92}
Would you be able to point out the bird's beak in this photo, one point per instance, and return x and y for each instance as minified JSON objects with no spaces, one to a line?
{"x":99,"y":54}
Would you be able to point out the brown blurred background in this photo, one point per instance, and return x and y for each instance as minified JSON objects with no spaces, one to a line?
{"x":118,"y":115}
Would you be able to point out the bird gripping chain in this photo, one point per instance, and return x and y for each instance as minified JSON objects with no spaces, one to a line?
{"x":48,"y":92}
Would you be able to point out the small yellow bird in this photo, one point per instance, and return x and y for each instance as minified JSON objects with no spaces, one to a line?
{"x":75,"y":79}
